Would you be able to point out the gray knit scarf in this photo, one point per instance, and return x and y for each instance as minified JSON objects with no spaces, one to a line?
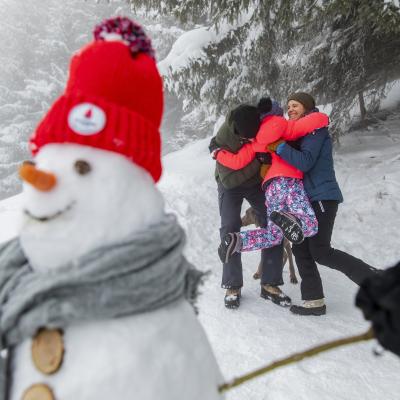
{"x":142,"y":273}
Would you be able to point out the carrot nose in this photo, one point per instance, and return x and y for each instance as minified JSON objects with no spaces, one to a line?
{"x":41,"y":180}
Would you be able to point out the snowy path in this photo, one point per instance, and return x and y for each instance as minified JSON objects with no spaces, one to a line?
{"x":368,"y":169}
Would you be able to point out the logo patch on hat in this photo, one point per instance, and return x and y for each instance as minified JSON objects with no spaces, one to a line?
{"x":86,"y":119}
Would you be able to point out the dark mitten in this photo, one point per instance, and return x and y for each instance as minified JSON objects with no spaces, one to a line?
{"x":213,"y":145}
{"x":264,"y":158}
{"x":379,"y":300}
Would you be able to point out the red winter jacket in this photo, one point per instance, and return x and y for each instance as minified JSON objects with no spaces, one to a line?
{"x":273,"y":128}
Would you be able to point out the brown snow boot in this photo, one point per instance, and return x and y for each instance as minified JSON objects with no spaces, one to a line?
{"x":276,"y":295}
{"x":232,"y":298}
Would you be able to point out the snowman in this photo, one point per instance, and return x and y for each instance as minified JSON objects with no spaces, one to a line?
{"x":94,"y":292}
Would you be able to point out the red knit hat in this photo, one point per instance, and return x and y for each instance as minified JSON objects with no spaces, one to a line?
{"x":113,"y":99}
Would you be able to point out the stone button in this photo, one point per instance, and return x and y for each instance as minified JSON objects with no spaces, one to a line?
{"x":48,"y":350}
{"x":39,"y":391}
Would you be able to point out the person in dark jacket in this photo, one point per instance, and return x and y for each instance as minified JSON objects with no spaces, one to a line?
{"x":379,"y":300}
{"x":234,"y":186}
{"x":314,"y":158}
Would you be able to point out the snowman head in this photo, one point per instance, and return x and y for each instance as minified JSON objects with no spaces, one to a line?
{"x":78,"y":198}
{"x":113,"y":99}
{"x":99,"y":139}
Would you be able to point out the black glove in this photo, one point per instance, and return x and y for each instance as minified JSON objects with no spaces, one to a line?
{"x":379,"y":300}
{"x":213,"y":145}
{"x":264,"y":158}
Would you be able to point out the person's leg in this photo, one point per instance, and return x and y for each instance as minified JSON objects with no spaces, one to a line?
{"x":271,"y":258}
{"x":311,"y":284}
{"x":322,"y":252}
{"x":271,"y":235}
{"x":261,"y":238}
{"x":300,"y":207}
{"x":297,"y":219}
{"x":230,"y":204}
{"x":271,"y":276}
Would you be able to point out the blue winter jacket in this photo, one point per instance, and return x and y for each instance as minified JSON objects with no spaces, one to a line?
{"x":315,"y":159}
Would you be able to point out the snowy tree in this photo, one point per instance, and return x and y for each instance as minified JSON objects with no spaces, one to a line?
{"x":360,"y":57}
{"x":223,"y":52}
{"x":337,"y":50}
{"x":35,"y":49}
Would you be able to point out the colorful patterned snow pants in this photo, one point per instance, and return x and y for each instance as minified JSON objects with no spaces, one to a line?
{"x":282,"y":194}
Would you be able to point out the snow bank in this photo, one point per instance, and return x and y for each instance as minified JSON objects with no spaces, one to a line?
{"x":392,"y":98}
{"x":368,"y":170}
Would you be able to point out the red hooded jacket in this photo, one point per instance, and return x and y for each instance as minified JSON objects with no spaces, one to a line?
{"x":273,"y":128}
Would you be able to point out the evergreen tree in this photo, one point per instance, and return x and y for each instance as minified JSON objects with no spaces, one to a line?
{"x":35,"y":49}
{"x":361,"y":57}
{"x":339,"y":51}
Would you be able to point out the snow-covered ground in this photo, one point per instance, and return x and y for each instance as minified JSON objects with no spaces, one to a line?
{"x":368,"y":169}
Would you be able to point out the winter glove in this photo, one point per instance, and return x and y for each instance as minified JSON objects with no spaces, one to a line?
{"x":379,"y":300}
{"x":264,"y":158}
{"x":279,"y":148}
{"x":214,"y":154}
{"x":264,"y":169}
{"x":274,"y":145}
{"x":214,"y":148}
{"x":213,"y":145}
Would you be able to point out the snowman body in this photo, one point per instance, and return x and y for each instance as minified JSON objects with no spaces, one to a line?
{"x":160,"y":354}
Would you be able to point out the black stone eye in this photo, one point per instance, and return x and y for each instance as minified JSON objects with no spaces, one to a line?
{"x":82,"y":167}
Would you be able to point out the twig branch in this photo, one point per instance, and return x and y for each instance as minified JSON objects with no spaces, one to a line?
{"x":295,"y":358}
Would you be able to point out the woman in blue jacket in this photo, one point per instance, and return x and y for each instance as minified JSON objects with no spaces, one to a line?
{"x":313,"y":155}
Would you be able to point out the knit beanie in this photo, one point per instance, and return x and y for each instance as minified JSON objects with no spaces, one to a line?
{"x":246,"y":120}
{"x":304,"y":98}
{"x":267,"y":106}
{"x":264,"y":105}
{"x":113,"y":99}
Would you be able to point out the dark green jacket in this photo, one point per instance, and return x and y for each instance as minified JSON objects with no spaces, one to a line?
{"x":229,"y":178}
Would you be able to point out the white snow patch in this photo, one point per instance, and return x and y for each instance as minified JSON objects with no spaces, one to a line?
{"x":368,"y":170}
{"x":392,"y":98}
{"x":189,"y":46}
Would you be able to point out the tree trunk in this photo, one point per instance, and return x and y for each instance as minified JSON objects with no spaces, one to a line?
{"x":363,"y":111}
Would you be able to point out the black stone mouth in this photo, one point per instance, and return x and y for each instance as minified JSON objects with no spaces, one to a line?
{"x":49,"y":217}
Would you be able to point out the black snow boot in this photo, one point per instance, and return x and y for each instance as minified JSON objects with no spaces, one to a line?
{"x":229,"y":245}
{"x":232,"y":298}
{"x":276,"y":295}
{"x":289,"y":225}
{"x":310,"y":307}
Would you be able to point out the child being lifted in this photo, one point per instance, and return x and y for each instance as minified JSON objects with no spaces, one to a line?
{"x":289,"y":210}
